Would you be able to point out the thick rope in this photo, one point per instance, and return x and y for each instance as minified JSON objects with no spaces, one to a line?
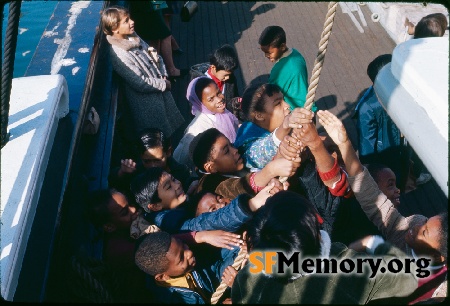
{"x":318,"y":63}
{"x":8,"y":64}
{"x":222,"y":287}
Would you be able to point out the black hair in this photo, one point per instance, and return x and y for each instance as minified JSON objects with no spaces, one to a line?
{"x":201,"y":84}
{"x":375,"y":66}
{"x":375,"y":169}
{"x":152,"y":138}
{"x":273,"y":36}
{"x":287,"y":222}
{"x":201,"y":147}
{"x":443,"y":235}
{"x":253,"y":99}
{"x":433,"y":25}
{"x":151,"y":253}
{"x":224,"y":58}
{"x":144,"y":187}
{"x":96,"y":208}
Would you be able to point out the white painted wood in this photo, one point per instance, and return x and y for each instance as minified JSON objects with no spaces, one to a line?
{"x":413,"y":89}
{"x":36,"y":105}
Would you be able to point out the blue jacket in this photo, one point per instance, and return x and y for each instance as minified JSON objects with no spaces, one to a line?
{"x":229,"y":218}
{"x":207,"y":275}
{"x":377,"y":131}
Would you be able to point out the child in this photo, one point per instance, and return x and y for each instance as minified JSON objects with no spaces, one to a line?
{"x":432,"y":25}
{"x":222,"y":63}
{"x":208,"y":202}
{"x":166,"y":205}
{"x":386,"y":181}
{"x":208,"y":106}
{"x":380,"y":140}
{"x":154,"y":150}
{"x":179,"y":276}
{"x":289,"y":72}
{"x":149,"y":101}
{"x":416,"y":235}
{"x":222,"y":165}
{"x":267,"y":121}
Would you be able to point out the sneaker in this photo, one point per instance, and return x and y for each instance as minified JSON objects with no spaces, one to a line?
{"x":423,"y":178}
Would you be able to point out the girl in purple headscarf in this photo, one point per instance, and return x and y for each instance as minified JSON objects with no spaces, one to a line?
{"x":208,"y":107}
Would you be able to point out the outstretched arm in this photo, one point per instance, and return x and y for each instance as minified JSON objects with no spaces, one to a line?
{"x":338,"y":134}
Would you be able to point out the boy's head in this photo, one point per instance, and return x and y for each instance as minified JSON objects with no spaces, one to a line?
{"x":156,"y":190}
{"x":430,"y":238}
{"x":223,"y":62}
{"x":386,"y":181}
{"x":273,"y":42}
{"x":154,"y":148}
{"x":109,"y":209}
{"x":212,"y":152}
{"x":375,"y":66}
{"x":433,"y":25}
{"x":111,"y":17}
{"x":162,"y":256}
{"x":208,"y":202}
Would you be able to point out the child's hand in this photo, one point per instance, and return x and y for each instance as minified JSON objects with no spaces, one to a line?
{"x":278,"y":186}
{"x":297,"y":118}
{"x":333,"y":126}
{"x":260,"y":198}
{"x":228,"y":276}
{"x":127,"y":166}
{"x":308,"y":135}
{"x":219,"y":238}
{"x":227,"y":301}
{"x":290,"y":147}
{"x":283,"y":167}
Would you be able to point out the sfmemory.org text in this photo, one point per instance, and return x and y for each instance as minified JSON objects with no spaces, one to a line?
{"x":278,"y":262}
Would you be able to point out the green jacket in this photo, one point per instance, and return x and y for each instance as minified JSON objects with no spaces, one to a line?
{"x":290,"y":74}
{"x":353,"y":288}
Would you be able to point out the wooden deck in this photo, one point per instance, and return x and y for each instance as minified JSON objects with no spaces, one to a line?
{"x":343,"y":79}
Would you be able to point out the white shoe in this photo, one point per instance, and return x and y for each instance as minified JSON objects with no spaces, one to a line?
{"x":423,"y":178}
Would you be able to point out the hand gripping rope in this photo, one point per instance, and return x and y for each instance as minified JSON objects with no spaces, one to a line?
{"x":318,"y":63}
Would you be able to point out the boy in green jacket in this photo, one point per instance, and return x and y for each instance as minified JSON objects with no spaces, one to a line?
{"x":289,"y":71}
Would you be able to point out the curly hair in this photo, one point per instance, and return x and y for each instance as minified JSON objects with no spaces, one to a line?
{"x":254,"y":99}
{"x":273,"y":36}
{"x":151,"y":250}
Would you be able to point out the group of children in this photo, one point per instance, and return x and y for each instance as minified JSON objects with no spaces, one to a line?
{"x":178,"y":218}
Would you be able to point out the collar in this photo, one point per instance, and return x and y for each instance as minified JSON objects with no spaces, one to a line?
{"x":133,"y":41}
{"x":216,"y":80}
{"x":285,"y":54}
{"x":414,"y":255}
{"x":184,"y":281}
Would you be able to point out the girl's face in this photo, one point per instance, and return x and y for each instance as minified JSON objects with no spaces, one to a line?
{"x":275,"y":109}
{"x":125,"y":28}
{"x":213,"y":99}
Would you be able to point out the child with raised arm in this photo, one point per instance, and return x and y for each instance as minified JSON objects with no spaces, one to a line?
{"x":266,"y":121}
{"x":222,"y":64}
{"x":222,"y":167}
{"x":416,"y":235}
{"x":147,"y":89}
{"x":289,"y":72}
{"x":166,"y":205}
{"x":178,"y":274}
{"x":153,"y":149}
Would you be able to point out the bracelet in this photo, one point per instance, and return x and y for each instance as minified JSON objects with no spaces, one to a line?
{"x":255,"y":188}
{"x":325,"y":176}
